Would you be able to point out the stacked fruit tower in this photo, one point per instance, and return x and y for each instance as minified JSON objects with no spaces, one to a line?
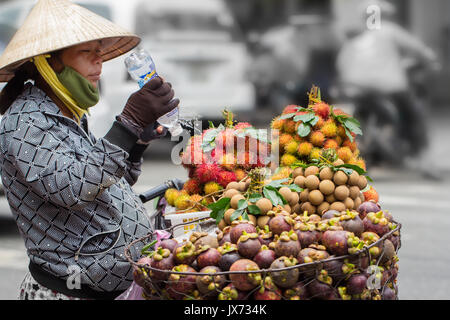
{"x":215,"y":158}
{"x":309,"y":231}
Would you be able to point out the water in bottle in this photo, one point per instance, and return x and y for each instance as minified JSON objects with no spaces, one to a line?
{"x":142,"y":69}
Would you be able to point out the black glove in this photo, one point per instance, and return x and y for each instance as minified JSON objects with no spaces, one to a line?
{"x":145,"y":106}
{"x":151,"y":133}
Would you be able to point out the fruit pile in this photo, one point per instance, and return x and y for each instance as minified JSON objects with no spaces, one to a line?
{"x":215,"y":158}
{"x":304,"y":132}
{"x":275,"y":253}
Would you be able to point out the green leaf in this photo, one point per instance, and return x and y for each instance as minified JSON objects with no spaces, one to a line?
{"x":348,"y":133}
{"x":353,"y":126}
{"x":303,"y":130}
{"x":314,"y":121}
{"x":278,"y":183}
{"x":242,"y":204}
{"x":236,"y":214}
{"x":305,"y":117}
{"x":245,"y":216}
{"x":254,"y":210}
{"x":295,"y":188}
{"x":148,"y":246}
{"x":221,"y":213}
{"x":254,"y":197}
{"x":211,"y":124}
{"x":218,"y":208}
{"x":275,"y":194}
{"x":271,"y":195}
{"x":358,"y":169}
{"x":287,"y":116}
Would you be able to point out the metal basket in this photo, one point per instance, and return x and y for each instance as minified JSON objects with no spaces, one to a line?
{"x":309,"y":272}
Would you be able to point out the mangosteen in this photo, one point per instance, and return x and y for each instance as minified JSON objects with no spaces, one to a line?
{"x":376,"y":222}
{"x":248,"y":245}
{"x":211,"y":284}
{"x":268,"y":291}
{"x":297,"y":292}
{"x":280,"y":223}
{"x":246,"y":280}
{"x":200,"y":239}
{"x":230,"y":292}
{"x":356,"y":284}
{"x":229,"y":255}
{"x":331,"y":214}
{"x":351,"y":222}
{"x":185,"y":253}
{"x":224,"y":235}
{"x":181,"y":285}
{"x":312,"y":254}
{"x":162,"y":260}
{"x":284,"y":278}
{"x":388,"y":293}
{"x":169,"y":244}
{"x":366,"y":207}
{"x":335,"y":269}
{"x":388,"y":251}
{"x":265,"y":236}
{"x":207,"y":257}
{"x":287,"y":244}
{"x":343,"y":294}
{"x":238,"y":227}
{"x":140,"y":274}
{"x":321,"y":287}
{"x":265,"y":257}
{"x":341,"y":242}
{"x":307,"y":234}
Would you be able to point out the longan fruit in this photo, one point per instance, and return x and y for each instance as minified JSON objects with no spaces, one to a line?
{"x":340,"y":178}
{"x":338,"y":206}
{"x":253,"y":219}
{"x":349,"y":203}
{"x":331,"y":198}
{"x":338,"y":162}
{"x":304,"y":195}
{"x":353,"y":178}
{"x":233,"y":185}
{"x":286,"y":193}
{"x":300,"y":181}
{"x":312,"y":182}
{"x":222,"y":224}
{"x":242,"y":186}
{"x":262,"y":221}
{"x":297,"y":208}
{"x":362,"y":182}
{"x":313,"y":170}
{"x":232,"y":192}
{"x":341,"y":193}
{"x":264,"y":205}
{"x":315,"y":197}
{"x":354,"y":192}
{"x":326,"y":174}
{"x":357,"y":202}
{"x":234,"y":201}
{"x":323,"y":207}
{"x":287,"y":208}
{"x":294,"y":199}
{"x":327,"y":187}
{"x":297,"y":172}
{"x":307,"y":206}
{"x":227,"y":215}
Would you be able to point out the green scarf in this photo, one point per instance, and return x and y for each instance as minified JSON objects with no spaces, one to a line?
{"x":82,"y":90}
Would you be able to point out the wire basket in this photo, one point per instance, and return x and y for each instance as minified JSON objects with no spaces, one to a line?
{"x":321,"y":280}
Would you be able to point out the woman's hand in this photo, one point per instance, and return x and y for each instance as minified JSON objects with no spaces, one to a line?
{"x":153,"y":100}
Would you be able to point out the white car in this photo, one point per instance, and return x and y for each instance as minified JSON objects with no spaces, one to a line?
{"x":195,"y":44}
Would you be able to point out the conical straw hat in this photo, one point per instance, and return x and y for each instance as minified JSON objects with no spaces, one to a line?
{"x":57,"y":24}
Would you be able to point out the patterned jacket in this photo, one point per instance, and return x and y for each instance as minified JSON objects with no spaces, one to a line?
{"x":70,"y":193}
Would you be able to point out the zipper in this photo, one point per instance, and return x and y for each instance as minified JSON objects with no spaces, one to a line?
{"x":78,"y":252}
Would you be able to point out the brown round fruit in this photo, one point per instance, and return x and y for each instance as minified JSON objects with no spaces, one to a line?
{"x":354,"y":192}
{"x":242,"y":186}
{"x":297,"y":172}
{"x":312,"y":170}
{"x":315,"y":197}
{"x":312,"y":182}
{"x":294,"y":199}
{"x":307,"y":206}
{"x":304,"y":195}
{"x":233,"y":185}
{"x":262,"y":221}
{"x":327,"y":187}
{"x":286,"y":193}
{"x":252,"y":218}
{"x":287,"y":208}
{"x":362,"y":182}
{"x":353,"y":178}
{"x":331,"y":198}
{"x":349,"y":203}
{"x":326,"y":174}
{"x":341,"y":193}
{"x":338,"y":206}
{"x":222,"y":224}
{"x":340,"y":178}
{"x":234,"y":201}
{"x":297,"y":208}
{"x":300,"y":181}
{"x":357,"y":202}
{"x":323,"y":207}
{"x":338,"y":162}
{"x":227,"y":215}
{"x":264,"y":205}
{"x":230,"y":193}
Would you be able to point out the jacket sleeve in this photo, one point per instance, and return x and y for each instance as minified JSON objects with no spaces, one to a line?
{"x":48,"y":160}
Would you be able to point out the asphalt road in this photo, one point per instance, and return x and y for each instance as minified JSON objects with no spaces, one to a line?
{"x":422,"y":206}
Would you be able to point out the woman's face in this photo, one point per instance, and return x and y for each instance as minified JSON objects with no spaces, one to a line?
{"x":85,"y":59}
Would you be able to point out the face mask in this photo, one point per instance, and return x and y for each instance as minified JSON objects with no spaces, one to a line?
{"x":81,"y":89}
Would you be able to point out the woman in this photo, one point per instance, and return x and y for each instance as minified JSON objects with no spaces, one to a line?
{"x":70,"y":192}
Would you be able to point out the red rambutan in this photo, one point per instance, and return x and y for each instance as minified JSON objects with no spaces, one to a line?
{"x":242,"y":125}
{"x":317,"y":138}
{"x":192,"y":186}
{"x":207,"y":172}
{"x":331,"y":144}
{"x":225,"y":177}
{"x":292,"y":108}
{"x":322,"y":109}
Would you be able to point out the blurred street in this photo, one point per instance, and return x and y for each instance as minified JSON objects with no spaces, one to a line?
{"x":421,"y":206}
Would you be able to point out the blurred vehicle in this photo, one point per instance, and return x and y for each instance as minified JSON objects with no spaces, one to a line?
{"x":195,"y":44}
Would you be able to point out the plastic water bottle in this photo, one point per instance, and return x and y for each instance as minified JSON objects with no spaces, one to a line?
{"x":142,"y":69}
